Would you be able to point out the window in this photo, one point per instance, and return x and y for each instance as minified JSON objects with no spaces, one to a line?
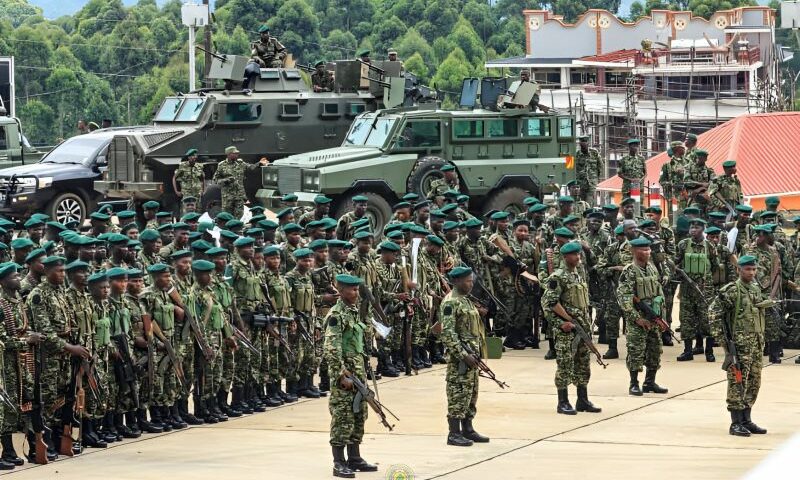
{"x":356,"y":108}
{"x":566,"y":128}
{"x":329,"y":110}
{"x":242,"y":112}
{"x":536,"y":127}
{"x":270,"y":74}
{"x":168,"y":110}
{"x":502,"y":128}
{"x":3,"y":143}
{"x":191,"y":110}
{"x":291,"y":74}
{"x":467,"y":129}
{"x":290,"y":110}
{"x":419,"y":133}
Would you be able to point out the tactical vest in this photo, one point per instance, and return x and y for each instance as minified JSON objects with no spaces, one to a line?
{"x":120,"y":321}
{"x":577,"y":296}
{"x":747,"y":318}
{"x":252,"y":288}
{"x":696,"y":263}
{"x":719,"y":274}
{"x":277,"y":291}
{"x":648,"y":286}
{"x":223,"y":294}
{"x":164,"y":314}
{"x":215,"y":321}
{"x":353,"y":339}
{"x":102,"y":331}
{"x":303,"y":297}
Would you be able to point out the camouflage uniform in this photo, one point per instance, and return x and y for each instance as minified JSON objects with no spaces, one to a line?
{"x":301,"y":293}
{"x":439,"y":186}
{"x":18,"y":377}
{"x":699,"y":173}
{"x":230,"y":177}
{"x":389,"y":278}
{"x":165,"y":384}
{"x":344,"y":349}
{"x":249,"y":299}
{"x":696,"y":260}
{"x":589,"y":168}
{"x":271,"y":53}
{"x":644,"y":346}
{"x":120,"y":324}
{"x":612,"y":257}
{"x":729,"y":189}
{"x":344,"y":230}
{"x":191,"y":179}
{"x":522,"y":305}
{"x":671,"y":180}
{"x":140,"y":354}
{"x":205,"y":307}
{"x":323,"y":80}
{"x":183,"y":340}
{"x":570,"y":289}
{"x":279,"y":365}
{"x":96,"y":337}
{"x":461,"y":323}
{"x":631,"y":167}
{"x":224,"y":294}
{"x":767,"y":260}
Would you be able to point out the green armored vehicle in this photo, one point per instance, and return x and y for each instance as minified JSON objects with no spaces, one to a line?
{"x":502,"y":155}
{"x":277,"y":117}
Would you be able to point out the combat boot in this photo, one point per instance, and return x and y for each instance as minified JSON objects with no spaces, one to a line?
{"x":324,"y":380}
{"x":666,"y":339}
{"x":307,"y":389}
{"x":399,"y":360}
{"x":90,"y":438}
{"x":155,"y":419}
{"x":4,"y":465}
{"x":223,"y":407}
{"x":386,"y":368}
{"x":563,"y":403}
{"x":583,"y":404}
{"x":468,"y":431}
{"x":687,"y":354}
{"x":748,"y":423}
{"x":52,"y":438}
{"x":175,"y":417}
{"x":272,"y":393}
{"x":144,"y":425}
{"x":634,"y":387}
{"x":774,"y":352}
{"x":436,"y":357}
{"x":737,"y":428}
{"x":551,"y":350}
{"x":340,"y":468}
{"x":287,"y":396}
{"x":416,"y":361}
{"x":532,"y":341}
{"x":187,"y":416}
{"x":710,"y":350}
{"x":650,"y":385}
{"x":213,"y":407}
{"x":612,"y":350}
{"x":454,"y":436}
{"x":355,"y":462}
{"x":106,"y":427}
{"x":426,"y":360}
{"x":133,"y":425}
{"x":698,"y":345}
{"x":797,"y":360}
{"x":122,"y":429}
{"x":9,"y":454}
{"x":253,"y":399}
{"x":313,"y":387}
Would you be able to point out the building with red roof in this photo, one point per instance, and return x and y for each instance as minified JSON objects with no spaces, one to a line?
{"x":765,"y":147}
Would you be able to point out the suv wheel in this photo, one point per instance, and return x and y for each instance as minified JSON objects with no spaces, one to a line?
{"x":425,"y":171}
{"x":68,"y":207}
{"x":378,"y":210}
{"x":508,"y":199}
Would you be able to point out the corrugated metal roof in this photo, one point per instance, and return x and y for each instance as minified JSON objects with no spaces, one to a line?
{"x":764,"y":146}
{"x":622,"y":56}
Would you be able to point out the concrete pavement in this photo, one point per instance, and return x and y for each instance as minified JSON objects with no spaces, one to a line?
{"x":683,"y":434}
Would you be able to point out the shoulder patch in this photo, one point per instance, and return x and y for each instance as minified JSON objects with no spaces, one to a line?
{"x":333,"y":321}
{"x":448,"y":310}
{"x":36,"y":299}
{"x":553,"y":283}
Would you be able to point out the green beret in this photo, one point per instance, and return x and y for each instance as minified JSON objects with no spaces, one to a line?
{"x":158,"y":268}
{"x":451,"y":193}
{"x":205,"y":226}
{"x":256,"y":210}
{"x":570,"y":219}
{"x":244,"y":242}
{"x":691,"y":136}
{"x":438,"y":214}
{"x":639,"y":242}
{"x":399,"y":205}
{"x":97,"y":277}
{"x":126,"y":214}
{"x":772,"y":201}
{"x":459,"y":272}
{"x":571,"y":183}
{"x":633,"y":141}
{"x":190,"y":152}
{"x":328,"y":223}
{"x":462,"y":198}
{"x":435,"y":240}
{"x":363,"y":235}
{"x":564,"y":232}
{"x":272,"y":250}
{"x":201,"y":245}
{"x":151,"y":205}
{"x":677,"y":143}
{"x":33,"y":222}
{"x":627,"y":201}
{"x":336,"y":243}
{"x":190,"y":217}
{"x":43,"y":217}
{"x":610,"y":207}
{"x":447,"y":168}
{"x":618,"y":230}
{"x":653,"y":209}
{"x":263,"y":28}
{"x":134,"y":273}
{"x":360,"y":198}
{"x":223,"y":216}
{"x":700,"y":152}
{"x":394,"y":234}
{"x":746,"y":260}
{"x":698,"y":221}
{"x":729,"y":164}
{"x":256,"y":218}
{"x":189,"y":199}
{"x":20,"y":243}
{"x":284,"y":212}
{"x":691,"y":211}
{"x":254,"y":232}
{"x":345,"y":279}
{"x":565,"y":199}
{"x":362,"y":53}
{"x":473,"y":223}
{"x":166,"y":226}
{"x":499,"y":215}
{"x":99,"y":216}
{"x":596,"y":214}
{"x":233,"y":224}
{"x":192,"y":236}
{"x":410,"y":197}
{"x":116,"y":272}
{"x":302,"y":253}
{"x":36,"y":253}
{"x":424,"y":203}
{"x":319,"y":62}
{"x":318,"y":244}
{"x":449,"y":208}
{"x":73,"y":238}
{"x":117,"y":238}
{"x":291,"y":227}
{"x":149,"y":235}
{"x":712,"y":230}
{"x":202,"y":266}
{"x":796,"y":219}
{"x":570,"y":247}
{"x":228,"y":234}
{"x":214,"y":251}
{"x":180,"y":254}
{"x":389,"y":246}
{"x":744,"y":208}
{"x":180,"y":226}
{"x":538,"y":207}
{"x":767,"y":214}
{"x":763,"y":228}
{"x":6,"y":223}
{"x":450,"y":225}
{"x":289,"y":197}
{"x":267,"y":225}
{"x":77,"y":264}
{"x":53,"y":261}
{"x":419,"y":230}
{"x":48,"y":245}
{"x":718,"y":215}
{"x":322,"y":199}
{"x":7,"y":268}
{"x":647,"y":223}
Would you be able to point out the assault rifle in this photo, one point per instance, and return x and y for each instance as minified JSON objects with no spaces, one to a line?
{"x":732,"y":362}
{"x":363,"y":393}
{"x":193,"y":324}
{"x":651,"y":316}
{"x":483,"y":369}
{"x":173,"y":357}
{"x":37,"y":420}
{"x":299,"y":317}
{"x":582,"y":336}
{"x":123,"y":369}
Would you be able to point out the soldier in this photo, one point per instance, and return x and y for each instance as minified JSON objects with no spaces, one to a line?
{"x":301,"y":293}
{"x":640,"y":282}
{"x":737,"y":318}
{"x":725,"y":191}
{"x":632,"y":169}
{"x":95,"y":332}
{"x":393,"y":299}
{"x":521,"y":329}
{"x":672,"y":175}
{"x":321,"y":79}
{"x":149,"y":210}
{"x":118,"y":244}
{"x":462,"y":329}
{"x":691,"y":146}
{"x":230,"y":176}
{"x":697,"y":179}
{"x":267,"y":52}
{"x":322,"y":206}
{"x":695,"y":256}
{"x":179,"y":242}
{"x":151,"y":245}
{"x":345,"y":354}
{"x":768,"y":277}
{"x":566,"y":303}
{"x":35,"y":271}
{"x":598,"y":240}
{"x":589,"y":168}
{"x":190,"y":176}
{"x":441,"y":185}
{"x":344,"y":228}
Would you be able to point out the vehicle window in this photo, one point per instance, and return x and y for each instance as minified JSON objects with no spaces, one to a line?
{"x":168,"y":110}
{"x":566,"y":128}
{"x":291,"y":74}
{"x":536,"y":127}
{"x":191,"y":110}
{"x":502,"y":128}
{"x":420,"y":134}
{"x":358,"y":131}
{"x":77,"y":150}
{"x":3,"y":142}
{"x":290,"y":110}
{"x":242,"y":112}
{"x":379,"y":131}
{"x":356,"y":108}
{"x":468,"y":128}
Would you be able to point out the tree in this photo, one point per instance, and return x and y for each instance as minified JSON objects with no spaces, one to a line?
{"x":452,"y":72}
{"x":301,"y":31}
{"x":479,"y":16}
{"x":65,"y":89}
{"x":17,"y":11}
{"x":416,"y":65}
{"x":37,"y":119}
{"x":386,"y":33}
{"x":411,"y":43}
{"x":465,"y":37}
{"x":339,"y":44}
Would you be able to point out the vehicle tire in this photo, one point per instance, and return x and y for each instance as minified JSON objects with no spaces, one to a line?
{"x":212,"y":200}
{"x":425,"y":171}
{"x":507,"y":199}
{"x":67,"y":207}
{"x":378,"y":209}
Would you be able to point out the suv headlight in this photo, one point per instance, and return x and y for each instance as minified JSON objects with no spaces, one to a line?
{"x":311,"y":180}
{"x":269,"y":176}
{"x":32,"y":183}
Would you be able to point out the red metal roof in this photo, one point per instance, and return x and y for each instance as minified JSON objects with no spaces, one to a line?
{"x":764,"y":146}
{"x":621,"y":56}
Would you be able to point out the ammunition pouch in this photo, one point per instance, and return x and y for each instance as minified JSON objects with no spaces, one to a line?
{"x":647,"y":287}
{"x":696,"y":263}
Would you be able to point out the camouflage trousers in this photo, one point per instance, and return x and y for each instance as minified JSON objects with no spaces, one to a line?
{"x":124,"y":400}
{"x":165,"y":384}
{"x":107,"y":386}
{"x":209,"y":374}
{"x":693,"y":314}
{"x":226,"y":373}
{"x":420,"y":328}
{"x":54,"y":382}
{"x":505,"y":291}
{"x":644,"y":348}
{"x":612,"y":313}
{"x":12,"y":419}
{"x":587,"y":191}
{"x":233,"y":204}
{"x":145,"y":389}
{"x":347,"y":427}
{"x":308,"y":361}
{"x":244,"y":364}
{"x":395,"y":338}
{"x":571,"y":369}
{"x":188,"y":353}
{"x":462,"y":391}
{"x":772,"y":325}
{"x":521,"y":316}
{"x":750,"y":347}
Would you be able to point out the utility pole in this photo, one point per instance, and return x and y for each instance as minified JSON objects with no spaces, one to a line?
{"x":193,"y":16}
{"x":207,"y":54}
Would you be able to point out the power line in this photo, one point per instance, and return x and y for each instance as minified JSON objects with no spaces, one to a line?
{"x":115,"y":47}
{"x":30,"y":67}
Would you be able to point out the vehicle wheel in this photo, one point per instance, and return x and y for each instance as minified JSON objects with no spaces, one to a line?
{"x":508,"y":199}
{"x":425,"y":171}
{"x":378,"y":210}
{"x":68,"y":207}
{"x":212,"y":200}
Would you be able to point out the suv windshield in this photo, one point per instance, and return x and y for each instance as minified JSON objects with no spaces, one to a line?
{"x":76,"y":150}
{"x":369,"y":131}
{"x":180,"y":110}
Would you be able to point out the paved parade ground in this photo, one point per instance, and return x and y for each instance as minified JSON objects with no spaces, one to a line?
{"x":683,"y":434}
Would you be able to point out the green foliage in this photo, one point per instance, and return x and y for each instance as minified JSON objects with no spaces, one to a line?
{"x":37,"y":117}
{"x":416,"y":64}
{"x":17,"y":11}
